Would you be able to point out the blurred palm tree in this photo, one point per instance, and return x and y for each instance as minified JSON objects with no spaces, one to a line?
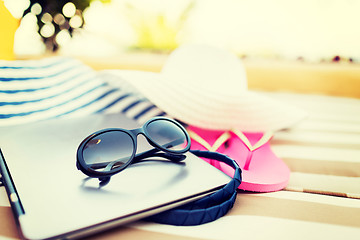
{"x":55,"y":16}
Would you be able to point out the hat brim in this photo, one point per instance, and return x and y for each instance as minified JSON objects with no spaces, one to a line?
{"x":247,"y":111}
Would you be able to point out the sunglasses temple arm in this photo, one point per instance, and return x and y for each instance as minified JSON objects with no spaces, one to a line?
{"x":156,"y":153}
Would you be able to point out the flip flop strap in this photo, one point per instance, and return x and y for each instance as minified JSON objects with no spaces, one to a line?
{"x":262,"y":141}
{"x":219,"y":141}
{"x":208,"y":208}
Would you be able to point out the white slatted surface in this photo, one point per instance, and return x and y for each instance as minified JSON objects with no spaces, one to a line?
{"x":323,"y":153}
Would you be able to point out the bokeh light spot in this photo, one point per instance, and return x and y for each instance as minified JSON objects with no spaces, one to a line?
{"x":47,"y":30}
{"x":76,"y":21}
{"x":63,"y":37}
{"x":69,"y":9}
{"x":46,"y":18}
{"x":59,"y":19}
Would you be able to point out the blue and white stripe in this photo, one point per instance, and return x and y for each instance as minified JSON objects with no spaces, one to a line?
{"x":33,"y":90}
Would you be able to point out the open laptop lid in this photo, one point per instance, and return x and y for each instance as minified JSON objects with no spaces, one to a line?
{"x":52,"y":199}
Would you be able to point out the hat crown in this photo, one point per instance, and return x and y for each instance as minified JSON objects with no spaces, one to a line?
{"x":206,"y":87}
{"x":206,"y":68}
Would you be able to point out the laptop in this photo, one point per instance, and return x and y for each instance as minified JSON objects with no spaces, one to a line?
{"x":51,"y":199}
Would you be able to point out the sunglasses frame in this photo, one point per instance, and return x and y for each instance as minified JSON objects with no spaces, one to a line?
{"x":133,"y":133}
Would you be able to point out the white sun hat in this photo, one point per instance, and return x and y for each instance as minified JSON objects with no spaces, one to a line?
{"x":205,"y":86}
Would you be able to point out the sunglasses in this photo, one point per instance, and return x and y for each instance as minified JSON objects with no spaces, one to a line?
{"x":109,"y":151}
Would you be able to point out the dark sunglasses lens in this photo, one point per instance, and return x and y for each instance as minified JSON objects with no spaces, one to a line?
{"x":167,"y":135}
{"x":108,"y":151}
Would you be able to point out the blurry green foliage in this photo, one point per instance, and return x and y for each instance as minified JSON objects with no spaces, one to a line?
{"x":156,"y":31}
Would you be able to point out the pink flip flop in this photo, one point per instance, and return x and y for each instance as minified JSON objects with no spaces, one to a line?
{"x":262,"y":170}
